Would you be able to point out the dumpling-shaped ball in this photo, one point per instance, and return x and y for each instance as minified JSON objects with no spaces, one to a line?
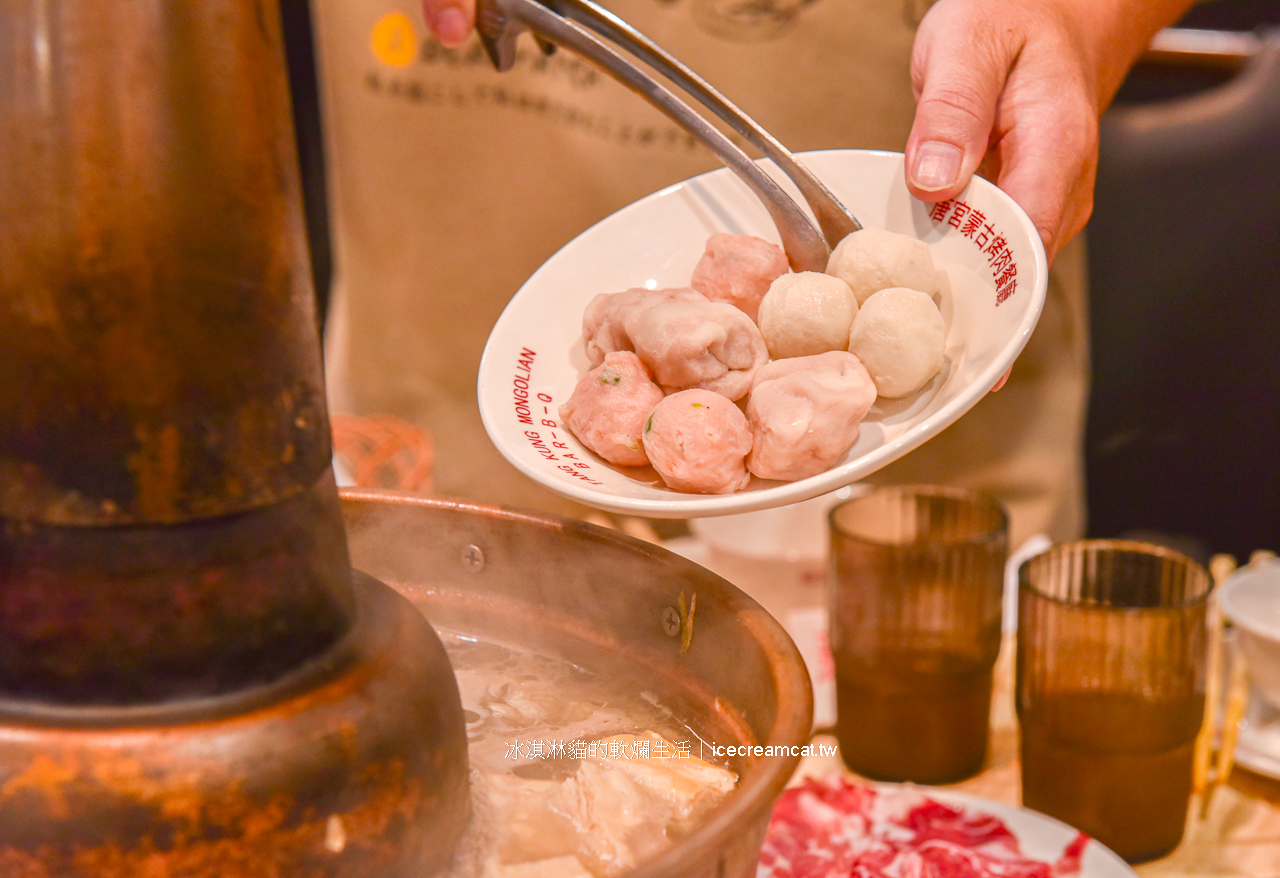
{"x":900,"y":336}
{"x":609,"y":406}
{"x":738,"y":269}
{"x":804,"y":413}
{"x":806,"y":313}
{"x":710,"y":345}
{"x":606,"y":314}
{"x":871,"y":260}
{"x":698,"y":441}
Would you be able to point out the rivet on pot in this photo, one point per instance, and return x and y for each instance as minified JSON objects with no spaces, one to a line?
{"x":473,"y":558}
{"x":671,"y":621}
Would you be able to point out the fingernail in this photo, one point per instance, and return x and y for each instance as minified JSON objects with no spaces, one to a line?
{"x":937,"y":165}
{"x":451,"y":26}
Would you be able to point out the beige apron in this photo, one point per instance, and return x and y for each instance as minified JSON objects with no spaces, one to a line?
{"x":451,"y":183}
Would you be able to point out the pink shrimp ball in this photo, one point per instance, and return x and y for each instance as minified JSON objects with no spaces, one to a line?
{"x":738,"y":269}
{"x":698,"y":441}
{"x":609,"y":406}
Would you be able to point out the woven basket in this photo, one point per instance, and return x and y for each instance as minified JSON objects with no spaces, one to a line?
{"x":382,"y":451}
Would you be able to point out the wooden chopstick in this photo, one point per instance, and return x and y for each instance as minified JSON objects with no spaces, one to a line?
{"x":1203,"y":781}
{"x":1237,"y":699}
{"x":1203,"y":757}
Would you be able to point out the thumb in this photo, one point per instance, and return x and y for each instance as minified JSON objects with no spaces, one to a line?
{"x":959,"y":86}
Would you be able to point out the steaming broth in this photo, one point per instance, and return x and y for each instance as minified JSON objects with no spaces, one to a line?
{"x":574,"y":774}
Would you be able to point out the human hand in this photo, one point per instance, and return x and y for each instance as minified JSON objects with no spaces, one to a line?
{"x":450,"y":20}
{"x":1015,"y":88}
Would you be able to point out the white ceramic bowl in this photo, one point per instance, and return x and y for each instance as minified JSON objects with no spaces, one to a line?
{"x":1250,"y":598}
{"x":993,"y":262}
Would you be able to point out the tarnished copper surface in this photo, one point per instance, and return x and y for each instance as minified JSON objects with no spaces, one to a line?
{"x":137,"y":614}
{"x":189,"y":683}
{"x":160,"y":358}
{"x":323,"y":773}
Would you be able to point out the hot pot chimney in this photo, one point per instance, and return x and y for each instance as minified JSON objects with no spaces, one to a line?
{"x":192,"y":680}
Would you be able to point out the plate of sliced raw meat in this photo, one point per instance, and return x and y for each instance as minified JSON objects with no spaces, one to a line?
{"x":834,"y":827}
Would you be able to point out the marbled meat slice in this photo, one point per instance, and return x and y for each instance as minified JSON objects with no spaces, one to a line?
{"x":834,"y":828}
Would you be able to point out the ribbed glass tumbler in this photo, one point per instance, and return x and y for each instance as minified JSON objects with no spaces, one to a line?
{"x":914,"y":598}
{"x":1110,"y":689}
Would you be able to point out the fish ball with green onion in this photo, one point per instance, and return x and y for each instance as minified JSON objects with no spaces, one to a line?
{"x":698,"y":442}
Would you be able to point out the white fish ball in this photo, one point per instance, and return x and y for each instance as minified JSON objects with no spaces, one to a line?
{"x":871,"y":260}
{"x":900,"y":336}
{"x":806,"y":313}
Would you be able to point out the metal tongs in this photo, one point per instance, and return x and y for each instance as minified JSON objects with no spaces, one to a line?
{"x":579,"y":25}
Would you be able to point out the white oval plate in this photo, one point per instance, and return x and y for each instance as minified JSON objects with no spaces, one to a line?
{"x":990,"y":253}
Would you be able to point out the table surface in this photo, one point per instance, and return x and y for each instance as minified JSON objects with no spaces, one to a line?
{"x":1238,"y":838}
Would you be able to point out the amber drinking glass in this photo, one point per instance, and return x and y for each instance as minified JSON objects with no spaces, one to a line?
{"x":915,"y":598}
{"x":1110,"y":689}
